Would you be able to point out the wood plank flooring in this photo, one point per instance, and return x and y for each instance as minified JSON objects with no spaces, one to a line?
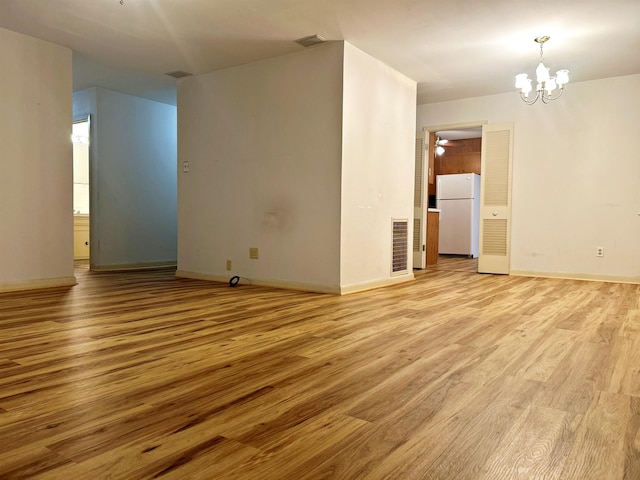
{"x":456,"y":263}
{"x":454,"y":376}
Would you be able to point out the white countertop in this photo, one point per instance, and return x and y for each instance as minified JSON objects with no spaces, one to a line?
{"x":437,"y":210}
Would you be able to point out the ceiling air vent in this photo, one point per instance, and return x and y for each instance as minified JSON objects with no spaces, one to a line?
{"x":311,"y":40}
{"x":179,"y":74}
{"x":400,"y":243}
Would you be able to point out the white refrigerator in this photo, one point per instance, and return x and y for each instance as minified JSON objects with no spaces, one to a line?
{"x":458,"y":199}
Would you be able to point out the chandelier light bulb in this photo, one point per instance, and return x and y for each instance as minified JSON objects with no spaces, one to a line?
{"x":562,"y":77}
{"x":521,"y":80}
{"x":550,"y":85}
{"x":542,"y":73}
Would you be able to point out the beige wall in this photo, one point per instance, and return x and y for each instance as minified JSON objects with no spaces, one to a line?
{"x":306,"y":157}
{"x":576,"y":176}
{"x":263,"y":142}
{"x":377,"y":167}
{"x":36,"y":184}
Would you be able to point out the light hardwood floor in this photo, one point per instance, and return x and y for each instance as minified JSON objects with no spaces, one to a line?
{"x":456,"y":263}
{"x":454,"y":376}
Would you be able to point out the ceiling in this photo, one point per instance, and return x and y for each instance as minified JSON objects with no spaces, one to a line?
{"x":460,"y":133}
{"x":453,"y":49}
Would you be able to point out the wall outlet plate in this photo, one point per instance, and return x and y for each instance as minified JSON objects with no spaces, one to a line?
{"x":253,"y":253}
{"x":599,"y":251}
{"x":228,"y":264}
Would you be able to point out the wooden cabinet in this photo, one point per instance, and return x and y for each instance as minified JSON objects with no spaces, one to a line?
{"x":462,"y":157}
{"x":80,"y":237}
{"x":433,"y":232}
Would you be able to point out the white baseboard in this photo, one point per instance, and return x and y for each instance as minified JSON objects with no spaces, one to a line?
{"x":302,"y":286}
{"x":383,"y":282}
{"x":133,"y":266}
{"x":38,"y":284}
{"x":262,"y":282}
{"x":579,"y":276}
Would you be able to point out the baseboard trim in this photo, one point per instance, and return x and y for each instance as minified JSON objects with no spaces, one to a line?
{"x":38,"y":284}
{"x":634,"y":279}
{"x":380,"y":283}
{"x":262,"y":282}
{"x":301,"y":286}
{"x":125,"y":267}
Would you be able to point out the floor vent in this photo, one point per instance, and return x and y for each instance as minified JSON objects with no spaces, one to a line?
{"x":400,"y":244}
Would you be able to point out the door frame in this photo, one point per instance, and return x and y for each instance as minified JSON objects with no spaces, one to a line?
{"x":88,"y":117}
{"x":420,"y":200}
{"x":435,"y":128}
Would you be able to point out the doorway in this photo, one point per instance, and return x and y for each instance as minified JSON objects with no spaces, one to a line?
{"x":81,"y":206}
{"x":448,"y":149}
{"x":494,"y":219}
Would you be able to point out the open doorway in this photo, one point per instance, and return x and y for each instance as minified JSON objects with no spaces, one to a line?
{"x":494,"y":220}
{"x":81,"y":212}
{"x":456,"y":196}
{"x":449,"y":150}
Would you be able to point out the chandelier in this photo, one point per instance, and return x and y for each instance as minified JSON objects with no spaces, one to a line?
{"x":548,"y":88}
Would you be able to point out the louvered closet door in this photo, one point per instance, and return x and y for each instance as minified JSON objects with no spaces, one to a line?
{"x":495,"y":198}
{"x":419,"y":207}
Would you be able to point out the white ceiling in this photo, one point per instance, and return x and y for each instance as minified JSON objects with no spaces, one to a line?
{"x":453,"y":49}
{"x":460,"y":133}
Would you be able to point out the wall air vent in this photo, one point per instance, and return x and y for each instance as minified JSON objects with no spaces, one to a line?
{"x":400,"y":245}
{"x":418,"y":189}
{"x":178,"y":74}
{"x":311,"y":40}
{"x":416,"y":234}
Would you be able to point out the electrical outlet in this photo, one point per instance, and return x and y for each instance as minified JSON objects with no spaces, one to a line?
{"x":228,"y":264}
{"x":185,"y":167}
{"x":599,"y":251}
{"x":253,"y":253}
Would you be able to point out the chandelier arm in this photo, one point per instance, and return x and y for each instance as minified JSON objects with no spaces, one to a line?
{"x":529,"y":101}
{"x":547,"y":98}
{"x":560,"y":90}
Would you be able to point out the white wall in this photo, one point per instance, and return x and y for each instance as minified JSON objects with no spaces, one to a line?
{"x":133,"y":179}
{"x":377,"y":166}
{"x":263,"y":142}
{"x":36,"y":209}
{"x":576,"y":176}
{"x":81,"y":168}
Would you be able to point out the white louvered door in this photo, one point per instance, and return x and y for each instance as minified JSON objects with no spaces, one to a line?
{"x":419,"y":207}
{"x":495,"y":198}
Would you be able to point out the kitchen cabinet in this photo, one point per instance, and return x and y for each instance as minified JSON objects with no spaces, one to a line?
{"x":433,"y":232}
{"x":80,"y":237}
{"x":462,"y":157}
